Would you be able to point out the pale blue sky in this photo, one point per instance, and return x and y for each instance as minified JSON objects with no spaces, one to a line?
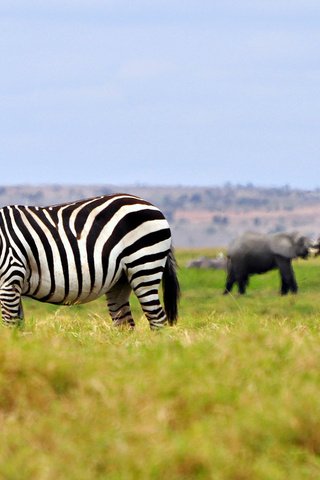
{"x":160,"y":92}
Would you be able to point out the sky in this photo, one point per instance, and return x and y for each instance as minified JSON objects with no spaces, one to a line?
{"x":160,"y":92}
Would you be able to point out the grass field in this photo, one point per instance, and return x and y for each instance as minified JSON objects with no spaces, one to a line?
{"x":231,"y":392}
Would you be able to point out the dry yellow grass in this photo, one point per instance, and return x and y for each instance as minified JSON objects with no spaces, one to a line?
{"x":231,"y":392}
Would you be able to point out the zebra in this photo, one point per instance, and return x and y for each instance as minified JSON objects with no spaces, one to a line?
{"x":73,"y":253}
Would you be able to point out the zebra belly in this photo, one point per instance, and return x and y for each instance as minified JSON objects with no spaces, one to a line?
{"x":41,"y":290}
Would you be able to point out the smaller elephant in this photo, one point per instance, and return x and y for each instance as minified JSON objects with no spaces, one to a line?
{"x":257,"y":253}
{"x":315,"y":248}
{"x":218,"y":263}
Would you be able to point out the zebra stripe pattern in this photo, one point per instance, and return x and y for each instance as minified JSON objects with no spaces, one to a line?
{"x":73,"y":253}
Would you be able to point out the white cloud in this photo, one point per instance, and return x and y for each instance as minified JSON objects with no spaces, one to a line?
{"x":66,"y":96}
{"x":145,"y":68}
{"x":193,"y":82}
{"x":173,"y":6}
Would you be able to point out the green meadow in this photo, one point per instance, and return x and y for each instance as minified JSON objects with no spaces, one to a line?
{"x":232,"y":392}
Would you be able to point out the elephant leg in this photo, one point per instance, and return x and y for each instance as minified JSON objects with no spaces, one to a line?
{"x":284,"y":286}
{"x":288,"y":280}
{"x":229,"y":282}
{"x":293,"y":284}
{"x":242,"y":285}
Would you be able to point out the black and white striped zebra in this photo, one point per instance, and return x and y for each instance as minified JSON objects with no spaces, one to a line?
{"x":75,"y":252}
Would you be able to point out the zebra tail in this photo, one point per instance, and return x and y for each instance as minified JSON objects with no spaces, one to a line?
{"x":171,"y":289}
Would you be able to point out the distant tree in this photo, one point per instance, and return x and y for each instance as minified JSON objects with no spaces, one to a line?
{"x":196,"y":198}
{"x":278,"y":228}
{"x":35,"y":197}
{"x":220,"y":220}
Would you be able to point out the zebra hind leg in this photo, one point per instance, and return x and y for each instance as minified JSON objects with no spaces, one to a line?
{"x":118,"y":304}
{"x":148,"y":296}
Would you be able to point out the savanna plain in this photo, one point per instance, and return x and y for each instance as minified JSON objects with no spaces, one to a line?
{"x":232,"y":392}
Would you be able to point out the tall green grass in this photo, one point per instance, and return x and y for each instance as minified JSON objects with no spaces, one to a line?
{"x":231,"y":392}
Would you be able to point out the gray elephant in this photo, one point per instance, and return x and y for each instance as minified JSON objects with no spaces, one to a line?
{"x":315,"y":249}
{"x":218,"y":263}
{"x":257,"y":253}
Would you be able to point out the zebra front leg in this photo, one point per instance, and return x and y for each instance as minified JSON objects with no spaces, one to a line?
{"x":11,"y":306}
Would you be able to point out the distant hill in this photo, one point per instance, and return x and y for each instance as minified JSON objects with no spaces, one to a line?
{"x":199,"y":216}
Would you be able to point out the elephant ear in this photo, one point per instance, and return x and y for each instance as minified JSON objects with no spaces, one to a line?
{"x":283,"y":245}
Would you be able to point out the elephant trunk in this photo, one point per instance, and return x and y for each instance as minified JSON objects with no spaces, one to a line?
{"x":314,"y":248}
